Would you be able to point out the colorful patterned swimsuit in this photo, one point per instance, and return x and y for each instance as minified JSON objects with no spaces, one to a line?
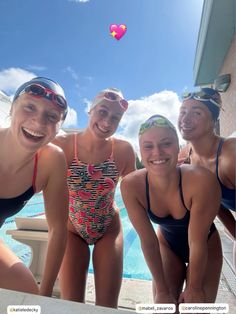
{"x":91,"y":189}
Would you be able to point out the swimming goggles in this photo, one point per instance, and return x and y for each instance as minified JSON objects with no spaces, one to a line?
{"x":110,"y":96}
{"x":201,"y":96}
{"x":41,"y":91}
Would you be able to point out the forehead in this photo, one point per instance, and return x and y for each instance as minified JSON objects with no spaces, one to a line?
{"x":194,"y":104}
{"x":157,"y":134}
{"x":41,"y":102}
{"x":111,"y":106}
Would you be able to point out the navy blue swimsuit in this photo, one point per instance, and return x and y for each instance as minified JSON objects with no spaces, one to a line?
{"x":11,"y":206}
{"x":228,"y":195}
{"x":175,"y":231}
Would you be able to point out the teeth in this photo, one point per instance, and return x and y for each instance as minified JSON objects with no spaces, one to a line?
{"x":186,"y":128}
{"x":103,"y":130}
{"x":33,"y":133}
{"x":158,"y":162}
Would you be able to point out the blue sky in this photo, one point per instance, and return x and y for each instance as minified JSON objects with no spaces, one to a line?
{"x":69,"y":41}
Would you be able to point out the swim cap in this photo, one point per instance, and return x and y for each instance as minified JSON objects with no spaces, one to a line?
{"x":155,"y":122}
{"x":46,"y":88}
{"x":110,"y":94}
{"x":208,"y":97}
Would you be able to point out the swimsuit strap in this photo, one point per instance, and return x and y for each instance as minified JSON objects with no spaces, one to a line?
{"x":35,"y":171}
{"x":75,"y":146}
{"x":147,"y":191}
{"x":217,"y":156}
{"x":112,"y":149}
{"x":181,"y":189}
{"x":111,"y":158}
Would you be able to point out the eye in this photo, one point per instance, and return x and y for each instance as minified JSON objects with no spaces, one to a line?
{"x":29,"y":108}
{"x":115,"y":119}
{"x":166,"y":144}
{"x":53,"y":118}
{"x":147,"y":146}
{"x":102,"y":113}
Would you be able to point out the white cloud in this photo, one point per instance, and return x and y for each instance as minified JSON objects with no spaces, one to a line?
{"x":72,"y":72}
{"x":165,"y":103}
{"x":36,"y":67}
{"x":71,"y":118}
{"x":12,"y":78}
{"x":77,"y":1}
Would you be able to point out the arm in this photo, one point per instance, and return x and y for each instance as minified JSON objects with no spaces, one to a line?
{"x":205,"y":204}
{"x":56,"y":208}
{"x":128,"y":155}
{"x":227,"y":168}
{"x":148,"y":238}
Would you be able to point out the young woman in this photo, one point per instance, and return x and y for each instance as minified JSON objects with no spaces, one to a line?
{"x":183,"y":201}
{"x":197,"y":118}
{"x":96,"y":161}
{"x":28,"y":164}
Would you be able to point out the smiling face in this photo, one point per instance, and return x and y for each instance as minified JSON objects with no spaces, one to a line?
{"x":105,"y":118}
{"x":34,"y":121}
{"x":195,"y":120}
{"x":159,"y":149}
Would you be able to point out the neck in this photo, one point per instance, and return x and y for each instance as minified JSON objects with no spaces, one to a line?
{"x":165,"y":181}
{"x":93,"y":142}
{"x":13,"y":155}
{"x":206,"y":146}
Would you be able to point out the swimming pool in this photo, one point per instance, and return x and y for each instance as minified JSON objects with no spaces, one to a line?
{"x":134,"y":263}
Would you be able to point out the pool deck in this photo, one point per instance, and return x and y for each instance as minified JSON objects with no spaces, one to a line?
{"x":133,"y":291}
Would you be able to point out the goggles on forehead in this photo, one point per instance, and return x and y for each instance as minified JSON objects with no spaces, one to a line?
{"x":110,"y":96}
{"x":41,"y":91}
{"x":156,"y":121}
{"x":202,"y":96}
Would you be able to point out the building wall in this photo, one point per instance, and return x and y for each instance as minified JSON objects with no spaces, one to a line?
{"x":228,"y":116}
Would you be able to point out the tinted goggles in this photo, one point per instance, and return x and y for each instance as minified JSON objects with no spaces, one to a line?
{"x":41,"y":91}
{"x":202,"y":96}
{"x":114,"y":97}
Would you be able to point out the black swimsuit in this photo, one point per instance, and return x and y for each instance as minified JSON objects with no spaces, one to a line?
{"x":175,"y":231}
{"x":228,"y":195}
{"x":11,"y":206}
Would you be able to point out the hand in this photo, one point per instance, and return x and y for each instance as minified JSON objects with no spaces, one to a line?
{"x":190,"y":295}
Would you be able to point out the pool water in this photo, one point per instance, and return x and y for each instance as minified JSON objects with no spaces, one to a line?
{"x":134,"y":263}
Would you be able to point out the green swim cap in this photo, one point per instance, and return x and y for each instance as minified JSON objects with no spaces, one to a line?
{"x":155,"y":122}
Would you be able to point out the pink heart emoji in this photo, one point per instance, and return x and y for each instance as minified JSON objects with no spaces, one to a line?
{"x":118,"y":31}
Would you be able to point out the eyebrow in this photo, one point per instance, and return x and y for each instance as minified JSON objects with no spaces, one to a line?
{"x":162,"y":140}
{"x":107,"y":107}
{"x":193,"y":107}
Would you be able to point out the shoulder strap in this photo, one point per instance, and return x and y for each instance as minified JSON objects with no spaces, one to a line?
{"x":218,"y":154}
{"x":181,"y":189}
{"x":35,"y":171}
{"x":75,"y":146}
{"x":112,"y":148}
{"x":147,"y":192}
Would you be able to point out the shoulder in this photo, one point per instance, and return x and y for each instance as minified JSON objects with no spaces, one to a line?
{"x":121,"y":144}
{"x":50,"y":155}
{"x":229,"y":147}
{"x":133,"y":180}
{"x":197,"y":177}
{"x":63,"y":140}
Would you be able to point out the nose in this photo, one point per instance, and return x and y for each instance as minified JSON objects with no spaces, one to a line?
{"x":107,"y":121}
{"x":157,"y":150}
{"x":40,"y":119}
{"x":186,"y":117}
